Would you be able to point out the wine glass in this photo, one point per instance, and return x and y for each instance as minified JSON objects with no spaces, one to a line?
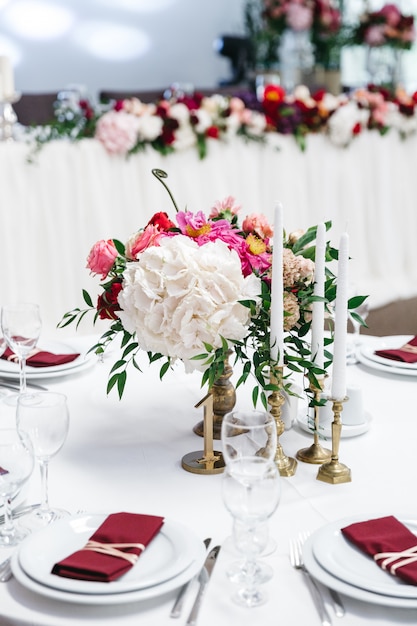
{"x":248,"y":433}
{"x":245,"y":434}
{"x":251,"y":493}
{"x":21,"y":325}
{"x":16,"y":465}
{"x":44,"y":416}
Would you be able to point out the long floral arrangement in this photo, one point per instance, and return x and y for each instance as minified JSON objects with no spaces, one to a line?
{"x":128,"y":126}
{"x":199,"y":288}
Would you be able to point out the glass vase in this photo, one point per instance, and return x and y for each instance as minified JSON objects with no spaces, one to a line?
{"x":296,"y":56}
{"x":384,"y":66}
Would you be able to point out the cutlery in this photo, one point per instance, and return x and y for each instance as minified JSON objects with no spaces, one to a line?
{"x":338,"y":607}
{"x":203,"y":579}
{"x":297,"y":562}
{"x":20,"y":510}
{"x":5,"y":570}
{"x":9,"y":384}
{"x":179,"y":602}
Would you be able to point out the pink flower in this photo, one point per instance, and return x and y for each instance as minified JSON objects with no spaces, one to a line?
{"x":299,"y":17}
{"x":101,"y":257}
{"x":257,"y":223}
{"x":150,"y":236}
{"x":228,"y":206}
{"x":391,"y":13}
{"x":374,"y":35}
{"x":117,"y":131}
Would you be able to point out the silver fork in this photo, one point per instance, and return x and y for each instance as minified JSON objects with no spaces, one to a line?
{"x":338,"y":607}
{"x":296,"y":559}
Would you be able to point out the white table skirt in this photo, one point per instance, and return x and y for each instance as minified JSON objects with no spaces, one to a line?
{"x":55,"y":209}
{"x":126,"y":456}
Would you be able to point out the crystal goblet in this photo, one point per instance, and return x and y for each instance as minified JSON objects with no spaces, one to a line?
{"x":44,"y":416}
{"x":16,"y":466}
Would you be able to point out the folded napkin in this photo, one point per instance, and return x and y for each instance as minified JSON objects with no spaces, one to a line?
{"x":112,"y":550}
{"x":42,"y":358}
{"x":407,"y":353}
{"x":389,"y":542}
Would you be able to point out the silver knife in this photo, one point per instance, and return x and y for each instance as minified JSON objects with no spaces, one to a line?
{"x":178,"y":604}
{"x":339,"y":609}
{"x":203,"y":579}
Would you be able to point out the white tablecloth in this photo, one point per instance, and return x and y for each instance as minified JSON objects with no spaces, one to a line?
{"x":126,"y":456}
{"x":55,"y":209}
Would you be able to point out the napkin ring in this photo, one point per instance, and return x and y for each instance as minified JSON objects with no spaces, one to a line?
{"x":405,"y":557}
{"x":111,"y":549}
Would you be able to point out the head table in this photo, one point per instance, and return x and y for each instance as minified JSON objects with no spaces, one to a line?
{"x":126,"y":456}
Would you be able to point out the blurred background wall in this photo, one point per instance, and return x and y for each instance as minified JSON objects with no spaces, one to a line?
{"x":117,"y":44}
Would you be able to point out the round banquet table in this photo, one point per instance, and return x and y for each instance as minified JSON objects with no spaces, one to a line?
{"x":126,"y":456}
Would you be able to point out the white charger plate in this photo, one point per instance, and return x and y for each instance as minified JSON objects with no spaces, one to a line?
{"x":323,"y":576}
{"x":394,"y":342}
{"x":9,"y":369}
{"x":345,"y":561}
{"x":387,"y":369}
{"x":348,"y":430}
{"x":170,"y":552}
{"x":112,"y":598}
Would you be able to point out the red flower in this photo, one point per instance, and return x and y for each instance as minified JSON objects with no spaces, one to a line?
{"x":161,"y":221}
{"x":357,"y":129}
{"x":212,"y":132}
{"x":107,"y":303}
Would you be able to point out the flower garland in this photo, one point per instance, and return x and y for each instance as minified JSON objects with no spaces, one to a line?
{"x":195,"y":289}
{"x":128,"y":126}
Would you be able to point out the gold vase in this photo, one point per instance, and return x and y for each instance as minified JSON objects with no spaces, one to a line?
{"x":224,"y":400}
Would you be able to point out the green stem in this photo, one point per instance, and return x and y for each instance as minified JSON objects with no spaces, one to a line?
{"x":160,"y":174}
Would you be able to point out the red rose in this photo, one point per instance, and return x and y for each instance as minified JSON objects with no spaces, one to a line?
{"x":161,"y":221}
{"x":107,"y":303}
{"x":357,"y":129}
{"x":212,"y":132}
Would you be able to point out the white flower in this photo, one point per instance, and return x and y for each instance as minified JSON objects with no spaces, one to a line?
{"x":180,"y":112}
{"x":180,"y":295}
{"x":184,"y":137}
{"x":404,"y":124}
{"x":343,"y":121}
{"x":117,"y":131}
{"x":149,"y":127}
{"x":204,"y":120}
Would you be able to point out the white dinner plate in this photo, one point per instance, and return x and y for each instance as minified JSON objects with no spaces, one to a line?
{"x":111,"y":598}
{"x":345,"y":561}
{"x":9,"y":369}
{"x":348,"y":430}
{"x":170,"y":552}
{"x":387,"y":369}
{"x":388,"y":343}
{"x":323,"y":576}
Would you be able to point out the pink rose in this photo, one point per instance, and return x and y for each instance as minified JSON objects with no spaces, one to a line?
{"x":374,"y":35}
{"x":299,"y":17}
{"x":257,"y":223}
{"x":391,"y":13}
{"x":101,"y":257}
{"x":142,"y":240}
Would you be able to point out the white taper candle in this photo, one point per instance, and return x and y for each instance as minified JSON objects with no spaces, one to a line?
{"x":277,"y":291}
{"x":317,"y":322}
{"x":7,"y":81}
{"x":340,"y":322}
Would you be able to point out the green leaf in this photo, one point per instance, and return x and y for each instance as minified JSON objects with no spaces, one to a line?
{"x":121,"y":382}
{"x":164,"y":369}
{"x":117,"y":365}
{"x":87,"y":298}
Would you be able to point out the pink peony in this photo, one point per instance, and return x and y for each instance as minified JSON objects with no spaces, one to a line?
{"x":117,"y":131}
{"x":374,"y":35}
{"x":101,"y":257}
{"x":228,"y":205}
{"x":257,"y":223}
{"x":391,"y":13}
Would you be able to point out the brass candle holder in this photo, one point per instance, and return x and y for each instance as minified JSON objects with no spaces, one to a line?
{"x":205,"y":461}
{"x":333,"y":471}
{"x":315,"y":453}
{"x":224,"y":400}
{"x":286,"y":465}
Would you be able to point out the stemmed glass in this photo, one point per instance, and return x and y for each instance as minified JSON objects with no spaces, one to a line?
{"x":362,"y":310}
{"x":16,"y":465}
{"x":44,"y":416}
{"x":21,"y":325}
{"x":248,"y":433}
{"x":251,"y":492}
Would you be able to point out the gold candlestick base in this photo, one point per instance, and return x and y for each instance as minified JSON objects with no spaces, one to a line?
{"x":334,"y":472}
{"x":206,"y":461}
{"x":315,"y":453}
{"x":286,"y":465}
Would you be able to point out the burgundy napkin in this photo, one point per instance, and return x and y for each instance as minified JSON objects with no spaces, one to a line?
{"x":118,"y":528}
{"x":44,"y":359}
{"x":387,"y":537}
{"x":407,"y":353}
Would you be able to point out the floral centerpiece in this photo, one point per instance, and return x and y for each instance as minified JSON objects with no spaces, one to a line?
{"x":196,"y":288}
{"x":385,"y":27}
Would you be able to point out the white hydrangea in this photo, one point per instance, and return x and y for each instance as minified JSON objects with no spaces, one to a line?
{"x":180,"y":295}
{"x":149,"y":127}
